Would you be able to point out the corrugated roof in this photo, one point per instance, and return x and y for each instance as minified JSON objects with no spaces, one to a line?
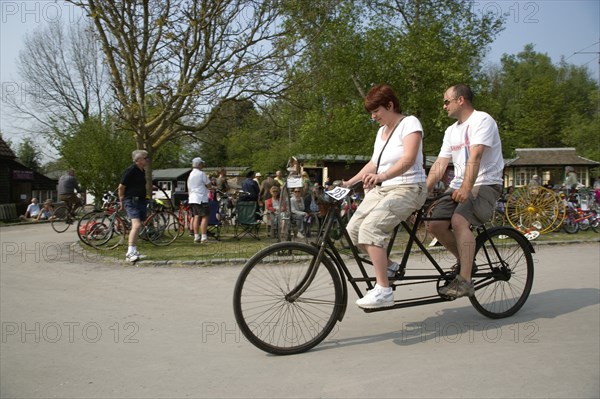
{"x":549,"y":157}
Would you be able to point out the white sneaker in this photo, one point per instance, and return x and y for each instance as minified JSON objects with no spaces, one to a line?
{"x":132,"y":257}
{"x":392,"y":269}
{"x":300,"y":235}
{"x":378,"y":297}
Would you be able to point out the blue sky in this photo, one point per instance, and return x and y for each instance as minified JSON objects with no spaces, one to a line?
{"x":559,"y":28}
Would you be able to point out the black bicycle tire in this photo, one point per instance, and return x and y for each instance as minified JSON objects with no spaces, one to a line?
{"x":278,"y":264}
{"x":85,"y":223}
{"x":167,"y":229}
{"x":570,"y":225}
{"x":59,"y":221}
{"x":491,"y":293}
{"x":114,"y":232}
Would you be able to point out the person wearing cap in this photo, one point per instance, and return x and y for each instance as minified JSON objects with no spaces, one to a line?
{"x":198,"y":184}
{"x":256,"y":178}
{"x":132,"y":198}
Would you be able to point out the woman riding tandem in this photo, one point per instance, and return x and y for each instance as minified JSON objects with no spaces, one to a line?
{"x":395,"y":180}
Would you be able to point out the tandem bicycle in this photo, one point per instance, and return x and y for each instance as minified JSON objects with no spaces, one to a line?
{"x":289,"y":296}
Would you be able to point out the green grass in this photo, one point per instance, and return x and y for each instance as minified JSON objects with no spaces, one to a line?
{"x":229,"y":249}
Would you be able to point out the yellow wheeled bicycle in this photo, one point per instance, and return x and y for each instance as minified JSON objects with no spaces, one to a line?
{"x":534,"y":210}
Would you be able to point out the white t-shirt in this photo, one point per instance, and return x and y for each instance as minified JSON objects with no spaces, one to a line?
{"x":480,"y":128}
{"x":395,"y":150}
{"x":197,"y":182}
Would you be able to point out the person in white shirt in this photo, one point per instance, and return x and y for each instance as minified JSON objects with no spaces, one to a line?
{"x":473,"y":143}
{"x":33,"y":210}
{"x":395,"y":180}
{"x":198,"y":184}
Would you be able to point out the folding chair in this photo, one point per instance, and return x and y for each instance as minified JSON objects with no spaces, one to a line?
{"x":214,"y":223}
{"x":246,"y":221}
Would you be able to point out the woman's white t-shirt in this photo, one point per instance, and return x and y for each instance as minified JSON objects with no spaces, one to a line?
{"x":394,"y":151}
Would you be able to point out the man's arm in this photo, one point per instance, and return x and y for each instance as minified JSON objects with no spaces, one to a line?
{"x":436,"y":173}
{"x":121,"y":193}
{"x":471,"y":172}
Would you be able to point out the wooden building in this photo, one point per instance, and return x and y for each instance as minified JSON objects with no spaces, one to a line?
{"x":549,"y":164}
{"x":19,"y":183}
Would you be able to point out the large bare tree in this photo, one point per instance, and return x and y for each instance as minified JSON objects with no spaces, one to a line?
{"x":173,"y":63}
{"x":66,"y":81}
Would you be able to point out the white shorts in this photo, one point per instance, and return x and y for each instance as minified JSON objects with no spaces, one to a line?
{"x":382,"y":210}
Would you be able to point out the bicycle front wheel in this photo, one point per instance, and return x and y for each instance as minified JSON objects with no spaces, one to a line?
{"x":269,"y":317}
{"x":505,"y":272}
{"x":61,"y":219}
{"x":162,"y":228}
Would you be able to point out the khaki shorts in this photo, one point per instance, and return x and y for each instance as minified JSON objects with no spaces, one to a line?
{"x":478,"y":209}
{"x":382,"y":210}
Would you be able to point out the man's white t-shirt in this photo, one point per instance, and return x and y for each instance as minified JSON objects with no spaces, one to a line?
{"x":197,"y":182}
{"x":479,"y":128}
{"x":394,"y":150}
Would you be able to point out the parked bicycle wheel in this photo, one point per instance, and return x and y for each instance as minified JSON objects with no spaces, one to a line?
{"x":504,"y":272}
{"x":86,"y":222}
{"x":108,"y":232}
{"x":570,"y":224}
{"x":280,"y":306}
{"x":161,"y":228}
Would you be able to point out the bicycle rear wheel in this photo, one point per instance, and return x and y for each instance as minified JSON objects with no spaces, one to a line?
{"x":505,"y":272}
{"x":265,"y":313}
{"x":108,"y":232}
{"x":86,"y":222}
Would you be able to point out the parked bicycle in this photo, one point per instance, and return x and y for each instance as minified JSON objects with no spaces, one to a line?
{"x":107,"y":229}
{"x":577,"y":218}
{"x":289,"y":296}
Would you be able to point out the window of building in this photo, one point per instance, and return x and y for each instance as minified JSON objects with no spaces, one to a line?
{"x":523,"y":176}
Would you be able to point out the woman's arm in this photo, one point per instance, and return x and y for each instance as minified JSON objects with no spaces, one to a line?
{"x":411,"y":144}
{"x":369,"y":168}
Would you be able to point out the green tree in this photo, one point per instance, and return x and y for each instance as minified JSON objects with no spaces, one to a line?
{"x":29,"y":154}
{"x":419,"y":47}
{"x":99,"y":154}
{"x":537,"y":103}
{"x":189,"y":57}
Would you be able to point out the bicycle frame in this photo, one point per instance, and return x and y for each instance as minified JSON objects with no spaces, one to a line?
{"x":327,"y":248}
